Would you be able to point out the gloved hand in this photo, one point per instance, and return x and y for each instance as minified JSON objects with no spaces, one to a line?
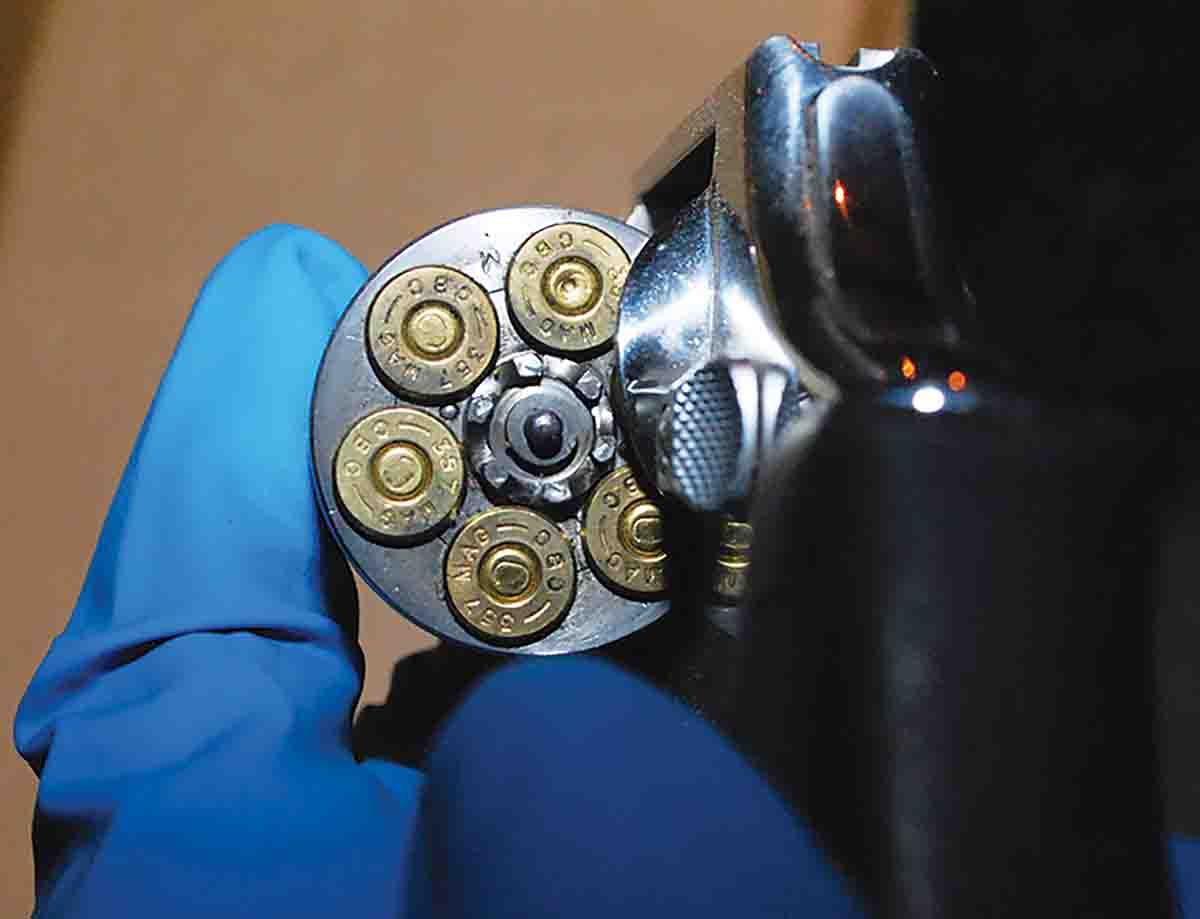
{"x":191,"y":725}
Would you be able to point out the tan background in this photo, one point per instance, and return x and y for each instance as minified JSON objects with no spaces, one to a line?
{"x":138,"y":141}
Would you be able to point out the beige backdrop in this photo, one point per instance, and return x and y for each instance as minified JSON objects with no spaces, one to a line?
{"x":138,"y":141}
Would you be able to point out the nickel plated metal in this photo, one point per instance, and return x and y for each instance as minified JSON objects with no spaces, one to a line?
{"x":549,"y":409}
{"x":540,"y":430}
{"x":791,"y":221}
{"x":795,"y":240}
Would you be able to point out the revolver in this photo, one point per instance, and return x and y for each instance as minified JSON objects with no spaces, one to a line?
{"x":515,"y":403}
{"x":540,"y":430}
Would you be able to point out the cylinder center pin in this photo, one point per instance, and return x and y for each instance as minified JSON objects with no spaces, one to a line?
{"x":540,"y":430}
{"x":544,"y":434}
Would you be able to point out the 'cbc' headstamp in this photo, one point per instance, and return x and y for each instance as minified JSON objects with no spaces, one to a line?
{"x":510,"y":574}
{"x":565,"y":285}
{"x":399,"y":474}
{"x":623,"y":536}
{"x":432,"y":333}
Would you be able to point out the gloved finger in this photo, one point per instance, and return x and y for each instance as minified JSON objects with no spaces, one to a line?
{"x":194,"y":717}
{"x":214,"y":526}
{"x":567,"y":788}
{"x":217,"y":499}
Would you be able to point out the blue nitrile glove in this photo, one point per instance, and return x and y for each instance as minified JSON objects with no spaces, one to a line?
{"x":191,"y":726}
